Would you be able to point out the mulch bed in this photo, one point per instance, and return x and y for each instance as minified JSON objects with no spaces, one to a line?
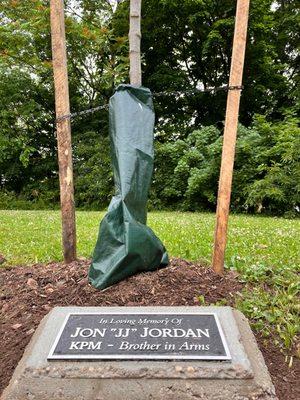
{"x":27,"y":293}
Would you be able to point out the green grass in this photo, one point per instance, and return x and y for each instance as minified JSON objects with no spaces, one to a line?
{"x":35,"y":236}
{"x":264,"y":250}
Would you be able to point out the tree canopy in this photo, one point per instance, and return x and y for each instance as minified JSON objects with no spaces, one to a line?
{"x":185,"y":45}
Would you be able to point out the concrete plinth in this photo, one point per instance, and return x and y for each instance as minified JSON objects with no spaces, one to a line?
{"x":244,"y":377}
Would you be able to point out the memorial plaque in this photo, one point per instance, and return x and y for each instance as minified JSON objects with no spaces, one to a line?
{"x":147,"y":336}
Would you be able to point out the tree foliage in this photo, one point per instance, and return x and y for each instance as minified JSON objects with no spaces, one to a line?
{"x":186,"y":45}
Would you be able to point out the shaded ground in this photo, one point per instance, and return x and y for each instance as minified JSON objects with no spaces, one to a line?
{"x":28,"y":293}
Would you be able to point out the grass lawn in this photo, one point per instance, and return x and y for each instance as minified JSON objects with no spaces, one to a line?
{"x":35,"y":236}
{"x":264,"y":250}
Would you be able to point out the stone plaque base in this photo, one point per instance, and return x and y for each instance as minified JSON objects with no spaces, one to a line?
{"x":243,"y":377}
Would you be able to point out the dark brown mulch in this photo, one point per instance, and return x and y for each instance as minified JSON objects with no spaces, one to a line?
{"x":28,"y":293}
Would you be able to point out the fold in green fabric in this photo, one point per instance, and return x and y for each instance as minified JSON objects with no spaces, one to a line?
{"x":125,"y":245}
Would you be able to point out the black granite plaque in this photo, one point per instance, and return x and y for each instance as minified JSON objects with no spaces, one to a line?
{"x":140,"y":336}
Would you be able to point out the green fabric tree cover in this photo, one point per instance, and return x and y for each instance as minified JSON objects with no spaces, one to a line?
{"x":125,"y":244}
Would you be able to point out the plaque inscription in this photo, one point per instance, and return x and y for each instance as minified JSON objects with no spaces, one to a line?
{"x":148,"y":336}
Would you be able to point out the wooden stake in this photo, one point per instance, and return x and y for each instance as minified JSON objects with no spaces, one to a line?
{"x":230,"y":132}
{"x":135,"y":71}
{"x":63,"y":129}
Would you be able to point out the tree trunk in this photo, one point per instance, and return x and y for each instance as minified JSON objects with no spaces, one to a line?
{"x":135,"y":72}
{"x":63,"y":129}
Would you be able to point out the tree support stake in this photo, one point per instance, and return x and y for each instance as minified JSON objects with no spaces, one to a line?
{"x":230,"y":132}
{"x":63,"y":129}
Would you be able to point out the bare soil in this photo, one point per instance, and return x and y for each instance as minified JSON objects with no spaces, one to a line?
{"x":27,"y":293}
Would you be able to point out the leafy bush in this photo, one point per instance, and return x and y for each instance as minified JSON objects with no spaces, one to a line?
{"x":266,"y":174}
{"x":276,"y":183}
{"x":27,"y":201}
{"x":93,"y":172}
